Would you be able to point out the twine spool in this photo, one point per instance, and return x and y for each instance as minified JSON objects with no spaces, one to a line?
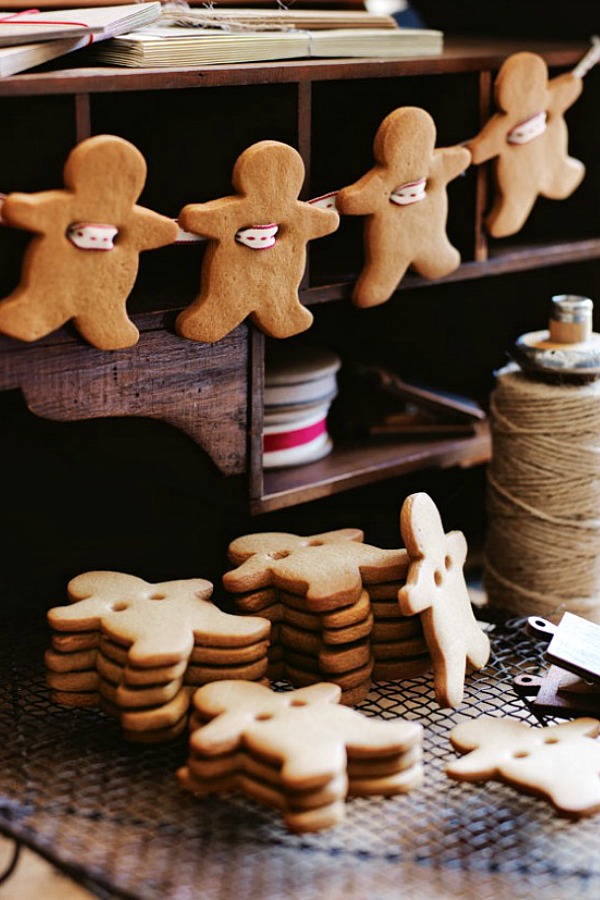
{"x":543,"y":497}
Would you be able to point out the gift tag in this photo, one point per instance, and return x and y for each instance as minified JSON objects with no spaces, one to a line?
{"x":559,"y":693}
{"x":574,"y":643}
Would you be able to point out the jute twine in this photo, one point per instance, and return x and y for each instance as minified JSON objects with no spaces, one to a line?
{"x":543,"y":497}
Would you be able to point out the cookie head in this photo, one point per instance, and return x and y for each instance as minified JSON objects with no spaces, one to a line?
{"x":521,"y":85}
{"x":106,"y":166}
{"x":269,"y":168}
{"x":405,"y":142}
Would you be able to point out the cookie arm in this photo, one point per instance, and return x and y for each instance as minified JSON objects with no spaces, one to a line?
{"x":362,"y":197}
{"x":148,"y":229}
{"x":450,"y":162}
{"x":212,"y":219}
{"x":490,"y":140}
{"x":320,"y":221}
{"x":563,"y":91}
{"x":34,"y":212}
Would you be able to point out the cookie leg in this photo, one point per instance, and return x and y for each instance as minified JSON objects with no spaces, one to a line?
{"x":375,"y":285}
{"x":107,"y":330}
{"x":210,"y":320}
{"x":27,"y":317}
{"x":439,"y":262}
{"x":281,"y":320}
{"x":564,"y":179}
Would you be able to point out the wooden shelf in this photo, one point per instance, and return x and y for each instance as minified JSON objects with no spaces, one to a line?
{"x":353,"y":466}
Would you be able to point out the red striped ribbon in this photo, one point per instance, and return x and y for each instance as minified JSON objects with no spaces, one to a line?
{"x":283,"y":440}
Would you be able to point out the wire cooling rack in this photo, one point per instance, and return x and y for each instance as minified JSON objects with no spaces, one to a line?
{"x":112,"y":815}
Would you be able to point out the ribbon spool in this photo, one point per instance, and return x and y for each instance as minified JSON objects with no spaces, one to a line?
{"x":542,"y":552}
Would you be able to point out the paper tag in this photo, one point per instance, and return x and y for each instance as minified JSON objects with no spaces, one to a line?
{"x":412,"y":192}
{"x":258,"y":237}
{"x":92,"y":236}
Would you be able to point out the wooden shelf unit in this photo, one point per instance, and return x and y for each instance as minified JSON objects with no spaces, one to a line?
{"x":191,"y":125}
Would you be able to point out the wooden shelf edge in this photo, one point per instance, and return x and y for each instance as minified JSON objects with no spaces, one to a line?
{"x":356,"y":466}
{"x":502,"y":261}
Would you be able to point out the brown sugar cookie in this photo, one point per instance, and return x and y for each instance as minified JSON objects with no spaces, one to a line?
{"x":405,"y":203}
{"x":253,"y":739}
{"x":436,"y":589}
{"x":82,"y":262}
{"x":256,"y":252}
{"x":527,"y":138}
{"x":157,"y":622}
{"x":327,"y":569}
{"x":560,"y":762}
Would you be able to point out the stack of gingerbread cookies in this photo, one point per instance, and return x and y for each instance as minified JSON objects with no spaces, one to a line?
{"x":246,"y":737}
{"x":317,"y":592}
{"x":137,"y":650}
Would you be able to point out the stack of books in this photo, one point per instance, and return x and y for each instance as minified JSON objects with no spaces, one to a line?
{"x":29,"y":38}
{"x":224,"y":36}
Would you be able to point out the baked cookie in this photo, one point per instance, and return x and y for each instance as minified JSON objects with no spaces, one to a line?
{"x":560,"y":762}
{"x":405,"y":203}
{"x":256,"y":252}
{"x":436,"y":589}
{"x":528,"y":138}
{"x":82,"y":262}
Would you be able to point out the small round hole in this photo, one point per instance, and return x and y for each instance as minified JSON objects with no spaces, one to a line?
{"x":264,"y":717}
{"x":551,"y":739}
{"x":437,"y":577}
{"x":520,"y":754}
{"x":315,"y":543}
{"x":158,"y":596}
{"x":298,"y":703}
{"x":279,"y":554}
{"x":121,"y":606}
{"x":448,"y":562}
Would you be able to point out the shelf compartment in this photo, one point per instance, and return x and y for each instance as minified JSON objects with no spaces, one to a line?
{"x":350,"y":466}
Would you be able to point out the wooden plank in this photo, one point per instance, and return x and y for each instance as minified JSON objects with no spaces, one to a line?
{"x":459,"y":55}
{"x":352,"y":466}
{"x":199,"y":388}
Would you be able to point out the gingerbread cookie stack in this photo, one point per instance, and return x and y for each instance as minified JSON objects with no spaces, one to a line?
{"x":249,"y":738}
{"x":316,"y":591}
{"x":137,"y":650}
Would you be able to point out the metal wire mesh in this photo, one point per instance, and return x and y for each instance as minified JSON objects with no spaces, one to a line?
{"x":113,"y":816}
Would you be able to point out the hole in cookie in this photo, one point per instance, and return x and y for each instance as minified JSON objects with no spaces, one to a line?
{"x":551,"y":739}
{"x":120,"y":606}
{"x":438,"y":577}
{"x":520,"y":754}
{"x":448,"y":562}
{"x":298,"y":703}
{"x":279,"y":554}
{"x":158,"y":596}
{"x":264,"y":717}
{"x":315,"y":543}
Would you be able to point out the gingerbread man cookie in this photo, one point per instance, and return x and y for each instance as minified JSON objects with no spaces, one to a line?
{"x":560,"y":762}
{"x":528,"y":140}
{"x":256,"y":253}
{"x":83,"y":260}
{"x":328,"y":569}
{"x":159,"y":623}
{"x":405,"y":201}
{"x":436,"y":588}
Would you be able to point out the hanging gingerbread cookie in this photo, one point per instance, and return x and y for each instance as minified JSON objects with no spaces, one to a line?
{"x":528,"y":138}
{"x":405,"y":203}
{"x":256,"y":253}
{"x":83,"y":260}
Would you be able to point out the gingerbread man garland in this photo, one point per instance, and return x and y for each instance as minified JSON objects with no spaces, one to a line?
{"x":404,"y":199}
{"x":83,"y":260}
{"x":528,"y":140}
{"x":436,"y":589}
{"x":256,"y":253}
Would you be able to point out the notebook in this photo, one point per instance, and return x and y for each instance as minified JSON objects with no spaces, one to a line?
{"x":54,"y":39}
{"x":175,"y":45}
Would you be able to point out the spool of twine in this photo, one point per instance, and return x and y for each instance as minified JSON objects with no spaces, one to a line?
{"x":543,"y":497}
